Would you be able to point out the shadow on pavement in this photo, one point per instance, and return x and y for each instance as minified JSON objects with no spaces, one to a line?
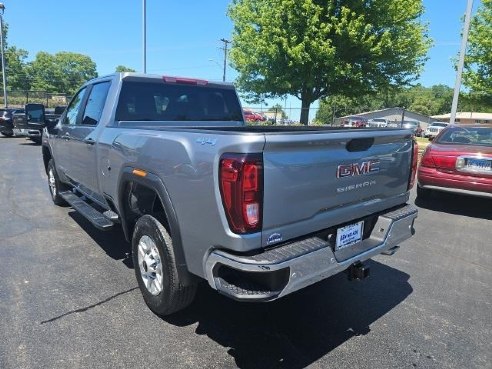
{"x":469,"y":206}
{"x":292,"y":332}
{"x":297,"y":330}
{"x":112,"y":241}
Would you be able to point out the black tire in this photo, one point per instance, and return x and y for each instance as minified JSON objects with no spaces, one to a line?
{"x":423,"y":193}
{"x":54,"y":185}
{"x":7,"y":133}
{"x":173,"y":296}
{"x":36,"y":140}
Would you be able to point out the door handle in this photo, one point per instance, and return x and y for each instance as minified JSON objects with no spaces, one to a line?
{"x":89,"y":141}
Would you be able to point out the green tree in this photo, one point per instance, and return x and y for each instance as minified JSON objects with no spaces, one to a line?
{"x":62,"y":72}
{"x":16,"y":70}
{"x":279,"y":110}
{"x":122,"y":68}
{"x":15,"y":65}
{"x":314,"y":48}
{"x":478,"y":61}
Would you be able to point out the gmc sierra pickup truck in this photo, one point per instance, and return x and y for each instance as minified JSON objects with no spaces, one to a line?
{"x":258,"y":212}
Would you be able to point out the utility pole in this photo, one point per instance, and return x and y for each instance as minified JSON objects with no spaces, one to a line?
{"x":461,"y":62}
{"x":226,"y":43}
{"x":2,"y":9}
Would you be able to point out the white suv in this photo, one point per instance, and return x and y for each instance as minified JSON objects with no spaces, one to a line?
{"x":434,"y":128}
{"x":378,"y":122}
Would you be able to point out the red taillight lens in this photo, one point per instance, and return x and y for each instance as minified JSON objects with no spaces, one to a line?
{"x":241,"y":188}
{"x":445,"y":162}
{"x":426,"y":160}
{"x":431,"y":159}
{"x":415,"y":156}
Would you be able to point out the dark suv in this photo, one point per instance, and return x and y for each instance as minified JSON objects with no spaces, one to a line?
{"x":6,"y":122}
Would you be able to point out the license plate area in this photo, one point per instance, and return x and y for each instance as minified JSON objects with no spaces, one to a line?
{"x":478,"y":165}
{"x":349,"y":235}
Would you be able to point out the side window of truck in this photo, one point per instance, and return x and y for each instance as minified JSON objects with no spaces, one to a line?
{"x":95,"y":103}
{"x":74,"y":108}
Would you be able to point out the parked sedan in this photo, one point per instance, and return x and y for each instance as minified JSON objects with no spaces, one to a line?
{"x":252,"y":116}
{"x":459,"y":160}
{"x":354,"y":121}
{"x":6,"y":121}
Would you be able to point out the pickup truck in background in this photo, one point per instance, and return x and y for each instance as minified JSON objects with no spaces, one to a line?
{"x":258,"y":212}
{"x":31,"y":124}
{"x":6,"y":120}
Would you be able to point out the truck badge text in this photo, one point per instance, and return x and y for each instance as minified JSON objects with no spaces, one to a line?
{"x":357,"y":169}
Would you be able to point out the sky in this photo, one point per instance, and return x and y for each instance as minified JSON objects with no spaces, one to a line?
{"x":182,"y":36}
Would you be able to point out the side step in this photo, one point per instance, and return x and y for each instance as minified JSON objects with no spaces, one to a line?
{"x":97,"y":218}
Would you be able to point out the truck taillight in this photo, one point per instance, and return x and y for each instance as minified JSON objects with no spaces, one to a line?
{"x":241,"y":188}
{"x":415,"y":157}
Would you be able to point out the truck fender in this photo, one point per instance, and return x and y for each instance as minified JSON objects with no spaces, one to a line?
{"x":153,"y":182}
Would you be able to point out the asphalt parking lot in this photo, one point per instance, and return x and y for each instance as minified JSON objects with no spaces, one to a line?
{"x":69,"y":298}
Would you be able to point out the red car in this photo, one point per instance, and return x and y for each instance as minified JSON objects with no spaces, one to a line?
{"x":458,"y":160}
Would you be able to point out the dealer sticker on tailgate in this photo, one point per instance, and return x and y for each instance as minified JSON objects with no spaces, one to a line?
{"x":349,"y":235}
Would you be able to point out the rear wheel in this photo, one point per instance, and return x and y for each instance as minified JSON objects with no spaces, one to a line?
{"x":36,"y":140}
{"x":155,"y":268}
{"x":423,"y":193}
{"x":7,"y":133}
{"x":55,"y":185}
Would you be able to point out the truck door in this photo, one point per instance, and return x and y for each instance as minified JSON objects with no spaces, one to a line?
{"x":62,"y":137}
{"x":83,"y":146}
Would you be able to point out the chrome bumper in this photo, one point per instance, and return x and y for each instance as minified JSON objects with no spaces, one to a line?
{"x":287,"y":268}
{"x":20,"y":132}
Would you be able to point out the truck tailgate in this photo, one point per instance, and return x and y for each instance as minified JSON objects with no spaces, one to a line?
{"x":314,"y":181}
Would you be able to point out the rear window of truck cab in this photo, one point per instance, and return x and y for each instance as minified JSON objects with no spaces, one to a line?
{"x":160,"y":101}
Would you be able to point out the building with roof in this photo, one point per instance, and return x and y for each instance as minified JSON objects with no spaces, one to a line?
{"x":394,"y":115}
{"x":466,"y":117}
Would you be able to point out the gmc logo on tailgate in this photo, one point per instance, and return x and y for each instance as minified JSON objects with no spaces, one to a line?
{"x":358,"y":169}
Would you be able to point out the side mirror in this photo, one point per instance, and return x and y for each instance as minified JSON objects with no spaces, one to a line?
{"x":35,"y":113}
{"x":50,"y":124}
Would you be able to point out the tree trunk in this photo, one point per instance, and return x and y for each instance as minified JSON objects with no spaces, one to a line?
{"x":306,"y":103}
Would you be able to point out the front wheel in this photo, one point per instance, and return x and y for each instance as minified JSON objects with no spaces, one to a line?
{"x":7,"y":133}
{"x":156,"y":270}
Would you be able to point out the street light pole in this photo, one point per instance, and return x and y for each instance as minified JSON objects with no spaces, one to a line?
{"x":461,"y":62}
{"x":226,"y":43}
{"x":2,"y":8}
{"x":144,"y":34}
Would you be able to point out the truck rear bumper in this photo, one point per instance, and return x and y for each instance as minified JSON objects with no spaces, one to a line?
{"x":282,"y":270}
{"x":33,"y":133}
{"x":20,"y":131}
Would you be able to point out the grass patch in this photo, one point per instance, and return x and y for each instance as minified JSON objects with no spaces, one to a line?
{"x":422,"y":140}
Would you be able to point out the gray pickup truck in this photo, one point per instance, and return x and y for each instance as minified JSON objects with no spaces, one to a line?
{"x":258,"y":212}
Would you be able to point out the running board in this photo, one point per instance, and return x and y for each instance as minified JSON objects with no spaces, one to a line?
{"x":98,"y":219}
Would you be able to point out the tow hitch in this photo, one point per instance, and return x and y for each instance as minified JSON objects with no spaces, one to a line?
{"x":358,"y":271}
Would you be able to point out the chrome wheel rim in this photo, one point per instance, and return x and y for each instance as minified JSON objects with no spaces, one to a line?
{"x":52,"y":182}
{"x":149,"y":264}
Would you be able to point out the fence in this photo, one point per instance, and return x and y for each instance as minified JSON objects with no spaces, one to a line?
{"x":49,"y":99}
